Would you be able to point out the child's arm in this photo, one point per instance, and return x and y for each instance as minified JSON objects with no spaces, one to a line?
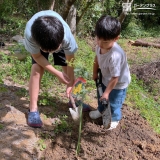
{"x":95,"y":68}
{"x":70,"y":72}
{"x":112,"y":83}
{"x":63,"y":78}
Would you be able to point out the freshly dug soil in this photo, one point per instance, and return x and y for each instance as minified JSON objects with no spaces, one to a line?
{"x":133,"y":139}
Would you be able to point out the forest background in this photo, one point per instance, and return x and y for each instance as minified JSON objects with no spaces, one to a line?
{"x":83,"y":14}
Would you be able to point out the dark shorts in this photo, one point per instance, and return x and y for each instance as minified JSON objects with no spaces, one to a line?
{"x":59,"y":58}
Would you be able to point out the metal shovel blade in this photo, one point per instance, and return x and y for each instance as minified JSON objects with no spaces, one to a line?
{"x":76,"y":89}
{"x":75,"y":113}
{"x":106,"y":116}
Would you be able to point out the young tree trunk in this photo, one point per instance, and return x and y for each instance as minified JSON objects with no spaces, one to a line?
{"x":124,"y":12}
{"x":38,"y":6}
{"x":71,"y":19}
{"x":52,"y":5}
{"x":67,"y":8}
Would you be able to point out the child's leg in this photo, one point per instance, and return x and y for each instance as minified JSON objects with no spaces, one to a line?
{"x":34,"y":86}
{"x":98,"y":113}
{"x":34,"y":83}
{"x":116,"y":99}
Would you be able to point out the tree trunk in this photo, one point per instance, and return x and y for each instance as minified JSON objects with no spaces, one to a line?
{"x":67,"y":8}
{"x":52,"y":5}
{"x":38,"y":6}
{"x":124,"y":12}
{"x":71,"y":19}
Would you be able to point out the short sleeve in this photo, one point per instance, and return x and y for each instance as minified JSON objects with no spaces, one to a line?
{"x":29,"y":43}
{"x":115,"y":65}
{"x":69,"y":44}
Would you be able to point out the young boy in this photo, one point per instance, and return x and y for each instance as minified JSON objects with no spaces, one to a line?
{"x":46,"y":32}
{"x":112,"y":61}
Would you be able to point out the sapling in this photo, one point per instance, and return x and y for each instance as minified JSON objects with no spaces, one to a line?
{"x":81,"y":96}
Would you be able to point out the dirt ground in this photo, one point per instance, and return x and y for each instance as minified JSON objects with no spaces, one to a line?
{"x":133,"y":139}
{"x":150,"y":74}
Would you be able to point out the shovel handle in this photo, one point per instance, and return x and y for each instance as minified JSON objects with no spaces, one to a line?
{"x":100,"y":92}
{"x":72,"y":101}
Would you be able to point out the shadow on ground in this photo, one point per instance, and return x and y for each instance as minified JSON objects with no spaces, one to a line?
{"x":18,"y":140}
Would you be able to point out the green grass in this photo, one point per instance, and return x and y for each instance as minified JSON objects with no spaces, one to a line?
{"x":63,"y":125}
{"x":136,"y":30}
{"x":139,"y":98}
{"x":1,"y":126}
{"x":84,"y":61}
{"x":13,"y":26}
{"x":41,"y":144}
{"x":138,"y":55}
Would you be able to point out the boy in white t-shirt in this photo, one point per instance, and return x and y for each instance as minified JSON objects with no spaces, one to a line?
{"x":112,"y":61}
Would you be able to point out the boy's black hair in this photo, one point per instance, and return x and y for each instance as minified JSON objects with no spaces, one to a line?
{"x":48,"y":32}
{"x":107,"y":28}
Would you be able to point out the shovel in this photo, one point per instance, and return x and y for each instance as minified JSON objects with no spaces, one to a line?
{"x":74,"y":95}
{"x":106,"y":115}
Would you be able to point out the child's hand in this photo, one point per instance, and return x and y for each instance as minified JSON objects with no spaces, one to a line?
{"x":63,"y":78}
{"x":68,"y":89}
{"x":104,"y":96}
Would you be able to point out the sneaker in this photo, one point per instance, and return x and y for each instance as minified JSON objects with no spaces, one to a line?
{"x":113,"y":125}
{"x":95,"y":114}
{"x":86,"y":108}
{"x":34,"y":120}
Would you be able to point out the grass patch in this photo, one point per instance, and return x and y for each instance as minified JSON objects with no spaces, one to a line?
{"x":1,"y":126}
{"x":84,"y":61}
{"x":63,"y":125}
{"x":138,"y":55}
{"x":139,"y":98}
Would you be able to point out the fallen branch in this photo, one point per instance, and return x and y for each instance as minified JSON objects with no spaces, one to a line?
{"x":144,"y":44}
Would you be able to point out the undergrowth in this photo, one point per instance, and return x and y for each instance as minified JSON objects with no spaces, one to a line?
{"x":139,"y":98}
